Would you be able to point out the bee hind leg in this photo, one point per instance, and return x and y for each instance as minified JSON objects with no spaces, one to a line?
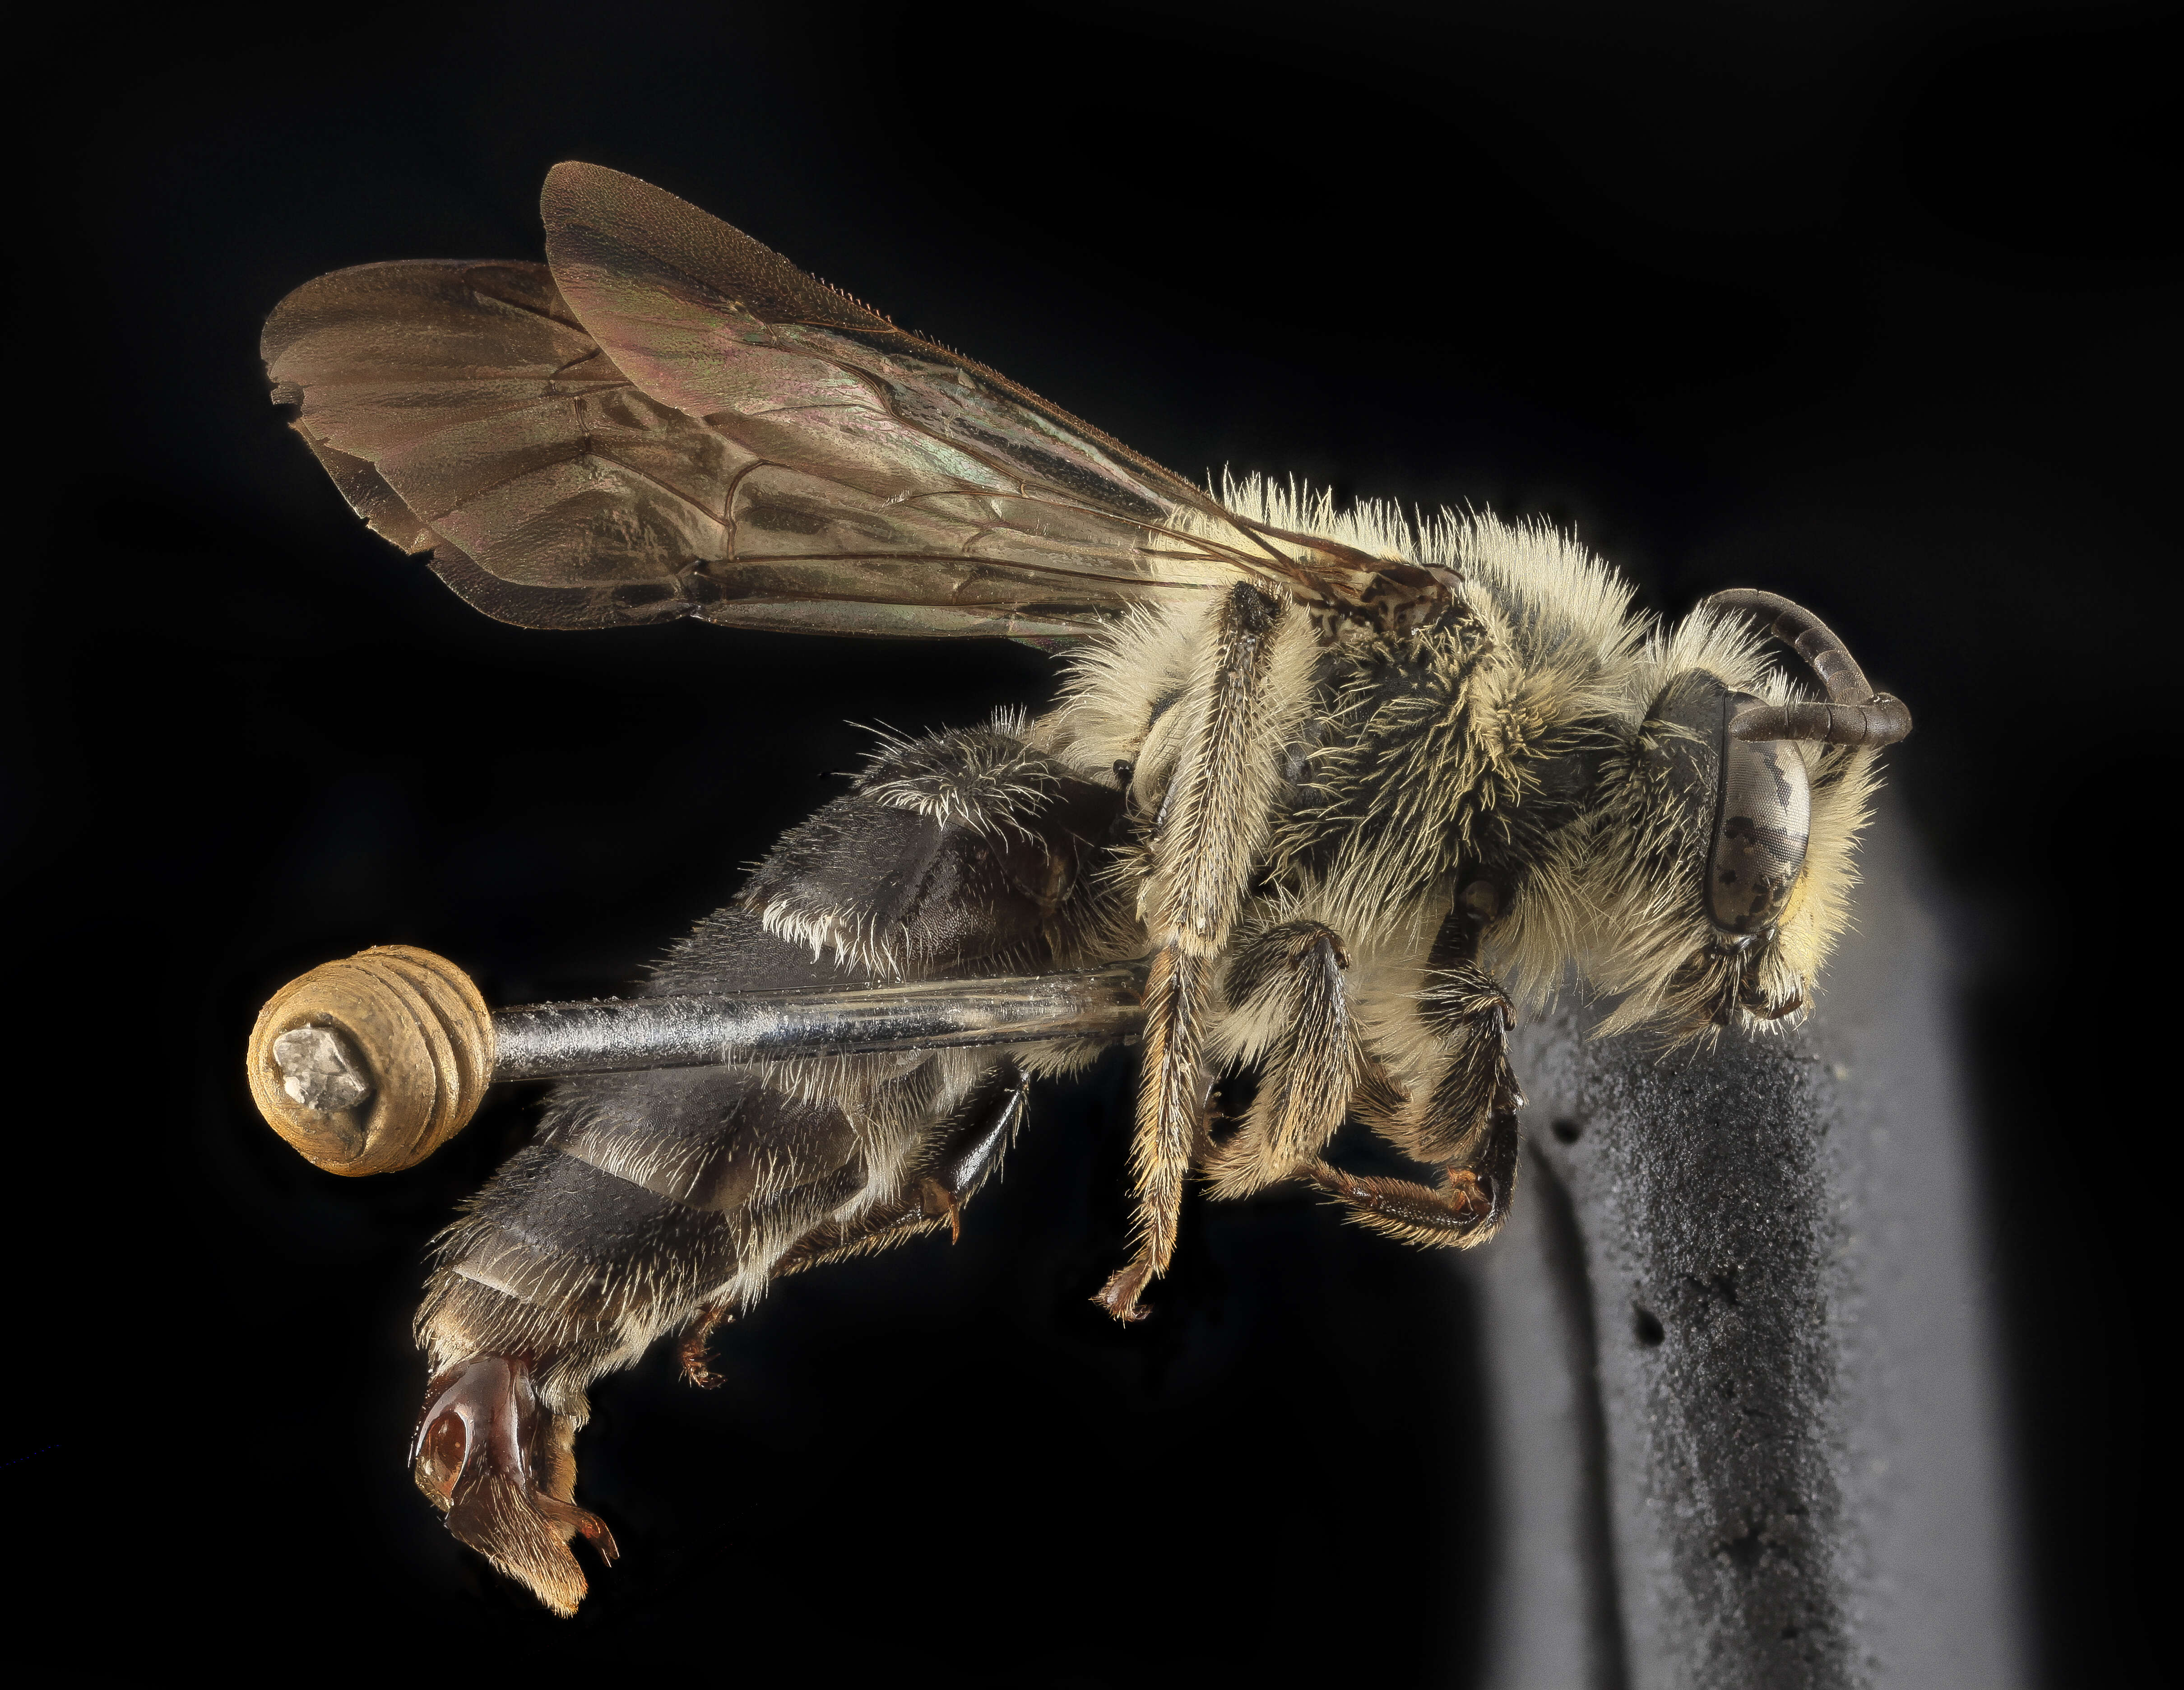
{"x":972,"y":1145}
{"x":960,"y":1156}
{"x":964,"y":1151}
{"x":1204,"y":832}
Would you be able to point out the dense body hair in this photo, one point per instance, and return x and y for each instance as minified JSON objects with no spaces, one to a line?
{"x":1508,"y":733}
{"x":1284,"y":808}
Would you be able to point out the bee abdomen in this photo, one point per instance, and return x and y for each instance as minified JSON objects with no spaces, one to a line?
{"x":645,"y":1194}
{"x":684,"y":1136}
{"x":591,"y":1246}
{"x":648,"y":1194}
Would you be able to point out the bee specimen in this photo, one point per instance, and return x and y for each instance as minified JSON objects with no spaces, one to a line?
{"x":1353,"y":787}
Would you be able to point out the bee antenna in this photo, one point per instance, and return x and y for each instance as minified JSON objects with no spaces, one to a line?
{"x":1855,"y":714}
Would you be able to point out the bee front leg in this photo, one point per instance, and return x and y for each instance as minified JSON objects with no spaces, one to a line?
{"x":1468,"y":1208}
{"x":1467,"y":1122}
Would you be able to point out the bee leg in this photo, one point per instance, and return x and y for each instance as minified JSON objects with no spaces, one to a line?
{"x":967,"y":852}
{"x":1290,"y":979}
{"x":1210,"y":819}
{"x":1467,"y":1208}
{"x":934,"y":1199}
{"x":1473,"y":1017}
{"x":967,"y":1149}
{"x":1173,"y":1093}
{"x":697,"y":1341}
{"x":1467,"y":1122}
{"x":492,"y":1457}
{"x":972,"y":1146}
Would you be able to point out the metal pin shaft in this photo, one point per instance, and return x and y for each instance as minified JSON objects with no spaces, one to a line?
{"x":547,"y":1040}
{"x":541,"y":1040}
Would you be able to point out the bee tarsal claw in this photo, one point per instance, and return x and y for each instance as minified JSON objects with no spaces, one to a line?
{"x":582,"y":1521}
{"x":694,"y":1352}
{"x":942,"y":1203}
{"x":1119,"y":1295}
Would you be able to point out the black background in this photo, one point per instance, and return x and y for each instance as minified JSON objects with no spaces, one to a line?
{"x":1874,"y":305}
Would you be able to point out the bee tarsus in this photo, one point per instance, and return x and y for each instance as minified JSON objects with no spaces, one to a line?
{"x":693,"y":1352}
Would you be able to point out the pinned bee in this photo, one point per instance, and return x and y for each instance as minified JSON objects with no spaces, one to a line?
{"x":1327,"y":795}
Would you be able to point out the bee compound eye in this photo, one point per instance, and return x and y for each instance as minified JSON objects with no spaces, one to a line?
{"x":1762,"y":824}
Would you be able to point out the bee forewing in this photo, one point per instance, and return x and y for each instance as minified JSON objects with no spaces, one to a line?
{"x":674,"y":420}
{"x":462,"y":408}
{"x":870,"y":447}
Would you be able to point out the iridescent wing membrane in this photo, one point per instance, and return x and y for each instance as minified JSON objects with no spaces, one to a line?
{"x":669,"y":419}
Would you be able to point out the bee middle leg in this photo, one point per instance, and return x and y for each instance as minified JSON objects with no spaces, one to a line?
{"x":1288,"y":981}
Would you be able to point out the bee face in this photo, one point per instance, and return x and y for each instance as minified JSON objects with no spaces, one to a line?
{"x":1707,"y":858}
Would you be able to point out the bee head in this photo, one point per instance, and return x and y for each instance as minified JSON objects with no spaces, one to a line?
{"x":1724,"y":865}
{"x":1740,"y":815}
